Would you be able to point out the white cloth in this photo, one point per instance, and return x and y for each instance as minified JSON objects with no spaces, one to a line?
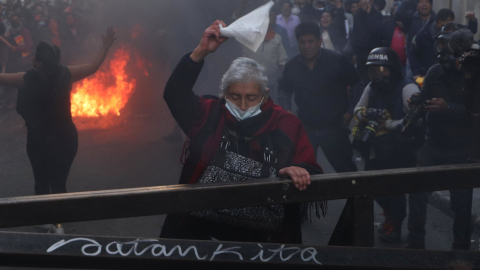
{"x":327,"y":41}
{"x":349,"y":24}
{"x":250,"y":30}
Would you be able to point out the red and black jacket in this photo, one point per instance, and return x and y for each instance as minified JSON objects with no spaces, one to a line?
{"x":204,"y":121}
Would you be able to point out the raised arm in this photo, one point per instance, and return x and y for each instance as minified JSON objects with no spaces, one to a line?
{"x":12,"y":79}
{"x":209,"y":43}
{"x":178,"y":94}
{"x":472,"y":21}
{"x":83,"y":71}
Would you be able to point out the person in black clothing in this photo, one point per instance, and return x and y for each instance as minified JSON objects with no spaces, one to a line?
{"x":319,"y":79}
{"x":388,"y":26}
{"x":44,"y":103}
{"x":423,"y":52}
{"x":388,"y":149}
{"x":365,"y":36}
{"x":307,"y":11}
{"x":414,"y":15}
{"x":447,"y":142}
{"x":380,"y":5}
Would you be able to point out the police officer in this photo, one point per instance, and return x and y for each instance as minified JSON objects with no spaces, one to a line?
{"x":380,"y":113}
{"x":447,"y":139}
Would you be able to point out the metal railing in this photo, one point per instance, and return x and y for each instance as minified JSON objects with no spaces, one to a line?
{"x":40,"y":250}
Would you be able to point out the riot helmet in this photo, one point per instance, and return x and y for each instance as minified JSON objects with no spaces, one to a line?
{"x":443,"y":39}
{"x":384,"y":68}
{"x":452,"y":42}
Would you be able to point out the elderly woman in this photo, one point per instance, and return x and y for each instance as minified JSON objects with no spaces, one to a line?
{"x":243,"y":135}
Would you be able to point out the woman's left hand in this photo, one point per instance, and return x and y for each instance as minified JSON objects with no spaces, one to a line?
{"x":300,"y":177}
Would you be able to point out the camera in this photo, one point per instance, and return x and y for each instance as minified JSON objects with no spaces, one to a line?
{"x":364,"y":133}
{"x":371,"y":129}
{"x":470,"y":61}
{"x":416,"y":102}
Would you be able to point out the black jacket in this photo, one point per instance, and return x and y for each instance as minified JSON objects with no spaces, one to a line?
{"x":451,"y":128}
{"x":321,"y":94}
{"x":366,"y":29}
{"x":387,"y":29}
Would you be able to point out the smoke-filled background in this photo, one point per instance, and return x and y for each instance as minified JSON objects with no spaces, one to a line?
{"x":127,"y":136}
{"x":133,"y":141}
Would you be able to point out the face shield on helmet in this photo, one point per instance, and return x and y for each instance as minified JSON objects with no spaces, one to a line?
{"x":443,"y":44}
{"x":384,"y":68}
{"x":383,"y":71}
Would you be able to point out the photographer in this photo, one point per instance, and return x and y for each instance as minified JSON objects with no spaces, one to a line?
{"x":448,"y":132}
{"x":380,"y":112}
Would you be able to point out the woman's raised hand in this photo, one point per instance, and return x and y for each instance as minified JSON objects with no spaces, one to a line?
{"x":211,"y":40}
{"x":109,"y":38}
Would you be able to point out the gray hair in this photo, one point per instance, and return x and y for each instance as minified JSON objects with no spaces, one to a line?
{"x":244,"y":70}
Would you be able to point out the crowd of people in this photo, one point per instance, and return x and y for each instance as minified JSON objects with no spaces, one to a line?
{"x":24,"y":24}
{"x":340,"y":60}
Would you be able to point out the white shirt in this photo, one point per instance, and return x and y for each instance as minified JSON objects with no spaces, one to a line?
{"x":327,"y":41}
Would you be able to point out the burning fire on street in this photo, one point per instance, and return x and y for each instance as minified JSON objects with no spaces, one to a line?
{"x":97,"y":101}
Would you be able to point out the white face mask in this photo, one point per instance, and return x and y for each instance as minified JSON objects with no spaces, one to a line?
{"x":295,"y":10}
{"x":242,"y":115}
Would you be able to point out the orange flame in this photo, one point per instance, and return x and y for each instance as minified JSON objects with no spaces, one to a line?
{"x":105,"y":94}
{"x":97,"y":101}
{"x":142,"y":64}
